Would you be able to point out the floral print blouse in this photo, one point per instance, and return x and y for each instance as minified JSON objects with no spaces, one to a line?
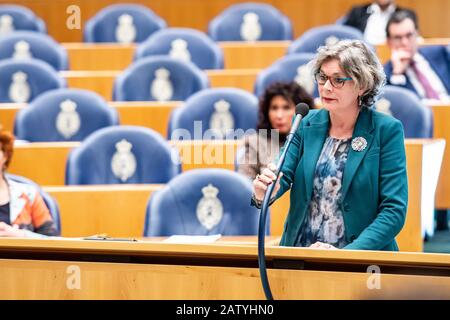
{"x":324,"y":221}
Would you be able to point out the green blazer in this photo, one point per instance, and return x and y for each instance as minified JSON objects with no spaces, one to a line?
{"x":374,"y":187}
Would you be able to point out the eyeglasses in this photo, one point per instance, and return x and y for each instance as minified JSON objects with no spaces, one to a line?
{"x":398,"y":38}
{"x":337,"y":82}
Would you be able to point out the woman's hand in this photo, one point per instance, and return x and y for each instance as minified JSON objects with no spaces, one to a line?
{"x":264,"y":179}
{"x":11,"y":231}
{"x":321,"y":245}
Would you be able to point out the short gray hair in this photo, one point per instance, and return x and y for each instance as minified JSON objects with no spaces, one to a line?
{"x":359,"y":63}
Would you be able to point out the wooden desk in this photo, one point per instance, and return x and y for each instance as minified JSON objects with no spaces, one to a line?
{"x":8,"y":114}
{"x":81,"y":269}
{"x":237,"y":55}
{"x":423,"y":164}
{"x":99,"y":56}
{"x":153,"y":115}
{"x":149,"y":114}
{"x":109,"y":56}
{"x":422,"y":180}
{"x":441,"y":115}
{"x":102,"y":82}
{"x":119,"y":210}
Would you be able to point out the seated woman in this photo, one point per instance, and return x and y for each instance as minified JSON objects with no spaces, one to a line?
{"x":346,"y":166}
{"x":276,"y":110}
{"x":23,"y":212}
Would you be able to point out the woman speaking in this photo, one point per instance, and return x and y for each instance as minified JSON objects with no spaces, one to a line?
{"x":346,"y":165}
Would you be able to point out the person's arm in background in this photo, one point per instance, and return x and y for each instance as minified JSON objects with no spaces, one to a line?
{"x":41,"y":219}
{"x":393,"y":193}
{"x":287,"y":172}
{"x":291,"y":162}
{"x":248,"y":159}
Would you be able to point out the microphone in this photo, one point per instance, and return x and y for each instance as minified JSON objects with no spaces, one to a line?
{"x":301,"y":110}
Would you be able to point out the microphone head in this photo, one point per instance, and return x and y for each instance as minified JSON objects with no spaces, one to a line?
{"x":302,"y":109}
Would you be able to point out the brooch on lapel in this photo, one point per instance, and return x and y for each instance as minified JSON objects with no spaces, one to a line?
{"x":359,"y":144}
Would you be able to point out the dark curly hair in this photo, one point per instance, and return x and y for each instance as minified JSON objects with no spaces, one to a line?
{"x":7,"y":145}
{"x":290,"y":91}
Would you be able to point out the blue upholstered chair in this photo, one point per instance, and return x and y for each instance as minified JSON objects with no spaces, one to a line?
{"x":184,"y":44}
{"x":64,"y":115}
{"x":292,"y":67}
{"x":203,"y":202}
{"x":403,"y":104}
{"x":312,"y":39}
{"x":23,"y":80}
{"x":28,"y":44}
{"x":124,"y":23}
{"x":122,"y":155}
{"x":219,"y":112}
{"x":250,"y":22}
{"x":50,"y":202}
{"x":159,"y":78}
{"x":15,"y":17}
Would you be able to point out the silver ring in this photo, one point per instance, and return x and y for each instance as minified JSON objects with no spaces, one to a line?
{"x":257,"y":177}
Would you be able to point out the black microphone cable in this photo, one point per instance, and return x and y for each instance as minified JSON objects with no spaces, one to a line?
{"x":301,"y":111}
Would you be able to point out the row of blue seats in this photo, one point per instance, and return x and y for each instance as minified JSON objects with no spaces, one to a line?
{"x":128,"y":23}
{"x":226,"y":113}
{"x":154,"y":78}
{"x":182,"y":43}
{"x":196,"y":202}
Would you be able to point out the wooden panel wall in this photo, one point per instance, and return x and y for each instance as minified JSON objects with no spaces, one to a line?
{"x":304,"y":14}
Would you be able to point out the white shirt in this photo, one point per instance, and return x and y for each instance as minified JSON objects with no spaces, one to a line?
{"x":424,"y":66}
{"x":375,"y":32}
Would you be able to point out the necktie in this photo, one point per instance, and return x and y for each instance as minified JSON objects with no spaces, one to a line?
{"x":430,"y":93}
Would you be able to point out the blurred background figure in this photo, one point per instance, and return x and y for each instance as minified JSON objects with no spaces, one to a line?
{"x":372,"y":19}
{"x":276,"y":111}
{"x":23,"y":212}
{"x":425,"y":70}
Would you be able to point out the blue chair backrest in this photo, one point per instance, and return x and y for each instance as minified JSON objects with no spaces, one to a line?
{"x":312,"y":39}
{"x":221,"y":111}
{"x":20,"y":18}
{"x":237,"y":23}
{"x":404,"y":105}
{"x":40,"y":46}
{"x":185,"y":44}
{"x":122,"y":155}
{"x":23,"y":80}
{"x":293,"y":67}
{"x":64,"y":115}
{"x":159,"y":78}
{"x":50,"y":202}
{"x":203,"y":202}
{"x":109,"y":25}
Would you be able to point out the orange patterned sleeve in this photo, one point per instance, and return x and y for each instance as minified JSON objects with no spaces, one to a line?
{"x":41,"y":218}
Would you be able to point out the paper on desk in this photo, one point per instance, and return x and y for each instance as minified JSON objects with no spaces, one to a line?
{"x":192,"y":239}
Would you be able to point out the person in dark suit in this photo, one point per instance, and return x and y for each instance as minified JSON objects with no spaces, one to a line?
{"x":425,"y":70}
{"x":346,"y":166}
{"x":371,"y":19}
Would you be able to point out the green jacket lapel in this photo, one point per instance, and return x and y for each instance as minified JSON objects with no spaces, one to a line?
{"x":315,"y":133}
{"x":363,"y":129}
